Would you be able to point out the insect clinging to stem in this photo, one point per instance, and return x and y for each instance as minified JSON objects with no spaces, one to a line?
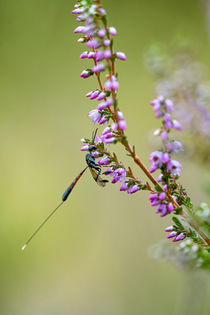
{"x":95,"y":170}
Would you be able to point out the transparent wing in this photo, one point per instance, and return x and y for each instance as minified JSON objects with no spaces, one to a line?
{"x":101,"y":182}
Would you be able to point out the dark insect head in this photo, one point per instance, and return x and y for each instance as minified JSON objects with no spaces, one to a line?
{"x":92,"y":148}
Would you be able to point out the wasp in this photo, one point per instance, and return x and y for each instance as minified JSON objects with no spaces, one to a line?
{"x":95,"y":170}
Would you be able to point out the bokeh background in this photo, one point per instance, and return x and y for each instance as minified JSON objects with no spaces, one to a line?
{"x":94,"y":257}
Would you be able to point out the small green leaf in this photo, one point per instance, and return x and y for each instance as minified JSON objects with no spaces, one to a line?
{"x":177,"y":222}
{"x":158,"y":188}
{"x":178,"y":210}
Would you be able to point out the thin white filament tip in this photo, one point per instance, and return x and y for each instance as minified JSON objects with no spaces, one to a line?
{"x":24,"y":246}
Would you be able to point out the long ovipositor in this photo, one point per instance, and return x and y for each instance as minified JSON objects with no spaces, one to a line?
{"x":69,"y":189}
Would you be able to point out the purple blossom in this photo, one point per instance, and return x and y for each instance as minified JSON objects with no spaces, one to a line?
{"x":162,"y":209}
{"x":108,"y":171}
{"x":85,"y":147}
{"x":162,"y":196}
{"x":108,"y":85}
{"x":156,"y":158}
{"x":115,"y":85}
{"x":101,"y":32}
{"x":91,"y":54}
{"x":109,"y":101}
{"x":174,"y":167}
{"x":153,"y":168}
{"x":102,"y":11}
{"x":119,"y":175}
{"x":84,"y":55}
{"x":112,"y":30}
{"x":124,"y":187}
{"x":165,"y":157}
{"x":114,"y":126}
{"x":104,"y":161}
{"x":94,"y":115}
{"x":179,"y":237}
{"x":101,"y":96}
{"x":169,"y":228}
{"x":168,"y":125}
{"x":89,"y":94}
{"x":170,"y":207}
{"x":99,"y":55}
{"x":155,"y":101}
{"x":156,"y":107}
{"x":169,"y":105}
{"x":167,"y":117}
{"x":174,"y":146}
{"x":172,"y":234}
{"x":107,"y":42}
{"x":102,"y":106}
{"x":78,"y":10}
{"x":102,"y":120}
{"x":106,"y":131}
{"x":120,"y":55}
{"x":79,"y":29}
{"x":107,"y":54}
{"x":93,"y":43}
{"x":133,"y":189}
{"x":122,"y":125}
{"x":176,"y":125}
{"x":158,"y":114}
{"x":98,"y":68}
{"x":164,"y":135}
{"x":111,"y":84}
{"x":109,"y":140}
{"x":120,"y":115}
{"x":94,"y":94}
{"x":85,"y":74}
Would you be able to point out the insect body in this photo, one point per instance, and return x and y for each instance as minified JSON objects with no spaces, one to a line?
{"x":95,"y":170}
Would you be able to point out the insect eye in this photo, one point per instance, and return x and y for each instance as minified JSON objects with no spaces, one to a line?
{"x":92,"y":148}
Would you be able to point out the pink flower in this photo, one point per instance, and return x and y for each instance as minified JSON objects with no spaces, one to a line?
{"x":112,"y":30}
{"x":104,"y":161}
{"x":124,"y":187}
{"x":94,"y":115}
{"x":122,"y":124}
{"x":120,"y":55}
{"x":98,"y":68}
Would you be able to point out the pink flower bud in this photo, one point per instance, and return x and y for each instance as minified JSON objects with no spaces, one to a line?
{"x":101,"y":33}
{"x":112,"y":30}
{"x":169,"y":228}
{"x":120,"y":55}
{"x":179,"y":237}
{"x":84,"y":55}
{"x":122,"y":125}
{"x":172,"y":234}
{"x":101,"y":96}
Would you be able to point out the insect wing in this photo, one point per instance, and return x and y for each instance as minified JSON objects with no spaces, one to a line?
{"x":101,"y":182}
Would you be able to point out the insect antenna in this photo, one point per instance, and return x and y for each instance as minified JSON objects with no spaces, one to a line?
{"x":94,"y":135}
{"x":41,"y":225}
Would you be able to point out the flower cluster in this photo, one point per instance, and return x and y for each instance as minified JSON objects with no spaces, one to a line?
{"x":183,"y":79}
{"x":173,"y":234}
{"x":167,"y":195}
{"x":170,"y":169}
{"x":97,"y":36}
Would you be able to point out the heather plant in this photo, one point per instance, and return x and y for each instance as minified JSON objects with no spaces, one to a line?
{"x":190,"y":225}
{"x":180,"y":77}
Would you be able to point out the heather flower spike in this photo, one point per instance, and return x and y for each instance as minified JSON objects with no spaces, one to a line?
{"x":166,"y":194}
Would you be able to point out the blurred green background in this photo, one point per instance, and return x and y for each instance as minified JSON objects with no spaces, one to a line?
{"x":92,"y":257}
